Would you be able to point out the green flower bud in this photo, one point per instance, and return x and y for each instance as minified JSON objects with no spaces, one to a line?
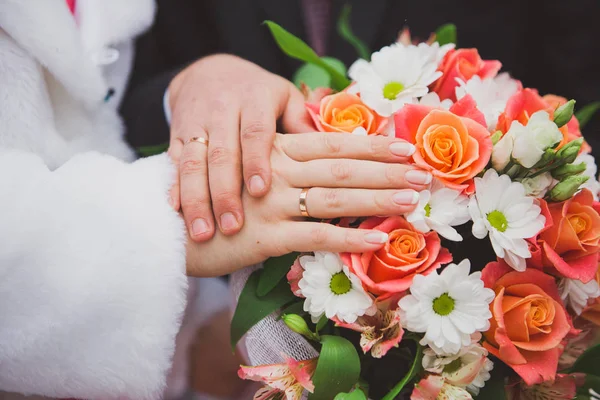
{"x":569,"y":152}
{"x":567,"y":187}
{"x":496,"y":137}
{"x":546,"y":159}
{"x":568,"y":169}
{"x":297,"y":324}
{"x":564,"y":113}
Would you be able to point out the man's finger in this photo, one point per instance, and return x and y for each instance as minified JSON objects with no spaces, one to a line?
{"x":174,"y":152}
{"x":257,"y":134}
{"x":195,"y":194}
{"x":295,"y":118}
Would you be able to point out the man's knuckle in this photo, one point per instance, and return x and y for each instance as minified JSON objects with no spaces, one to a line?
{"x":254,"y":130}
{"x":220,"y":155}
{"x":192,"y":167}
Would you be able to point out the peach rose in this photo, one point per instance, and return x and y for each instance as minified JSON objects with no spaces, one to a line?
{"x":570,"y":241}
{"x":344,"y":112}
{"x":408,"y":252}
{"x":462,"y":64}
{"x":453,"y":145}
{"x":528,"y":321}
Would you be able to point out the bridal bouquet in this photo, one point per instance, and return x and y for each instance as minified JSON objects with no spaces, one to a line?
{"x":489,"y":289}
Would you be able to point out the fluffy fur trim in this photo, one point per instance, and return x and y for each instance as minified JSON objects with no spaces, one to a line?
{"x":92,"y":276}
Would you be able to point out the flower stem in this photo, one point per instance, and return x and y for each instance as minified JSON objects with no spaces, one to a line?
{"x":547,"y":168}
{"x":408,"y":377}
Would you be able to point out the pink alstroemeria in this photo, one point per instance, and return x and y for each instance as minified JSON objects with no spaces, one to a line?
{"x":379,"y":332}
{"x":434,"y":387}
{"x":288,"y":379}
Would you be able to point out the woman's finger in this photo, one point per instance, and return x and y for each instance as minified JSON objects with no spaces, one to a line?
{"x":195,"y":194}
{"x":347,"y":173}
{"x":318,"y":145}
{"x":304,"y":236}
{"x":174,"y":152}
{"x":257,"y":133}
{"x":225,"y":169}
{"x":328,"y":203}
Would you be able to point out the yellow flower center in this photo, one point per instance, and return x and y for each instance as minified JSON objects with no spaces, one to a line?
{"x":392,"y":89}
{"x":340,"y":284}
{"x":443,"y":305}
{"x":498,"y":220}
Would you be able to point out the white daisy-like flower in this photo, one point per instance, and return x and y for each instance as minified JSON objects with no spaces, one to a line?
{"x":331,"y":289}
{"x":490,"y":94}
{"x":448,"y":307}
{"x":575,"y":293}
{"x":432,"y":99}
{"x":469,"y":368}
{"x":396,"y":75}
{"x":439,"y":209}
{"x":591,"y":170}
{"x":501,"y":209}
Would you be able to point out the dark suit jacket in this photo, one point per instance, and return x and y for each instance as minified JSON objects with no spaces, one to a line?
{"x":552,"y":45}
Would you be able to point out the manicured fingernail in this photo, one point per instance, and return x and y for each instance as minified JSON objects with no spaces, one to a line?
{"x":376,"y":237}
{"x":405,"y":197}
{"x":199,"y":226}
{"x":256,"y":184}
{"x":228,"y":222}
{"x":403,"y":149}
{"x":418,"y":177}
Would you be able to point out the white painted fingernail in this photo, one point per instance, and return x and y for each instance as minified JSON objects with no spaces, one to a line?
{"x":405,"y":197}
{"x":418,"y":177}
{"x":402,"y":149}
{"x":376,"y":237}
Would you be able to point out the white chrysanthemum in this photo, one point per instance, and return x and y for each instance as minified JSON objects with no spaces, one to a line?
{"x":469,"y":368}
{"x":499,"y":208}
{"x":331,"y":289}
{"x":448,"y":307}
{"x":490,"y":94}
{"x":432,"y":99}
{"x":396,"y":75}
{"x":575,"y":293}
{"x":591,"y":170}
{"x":439,"y":209}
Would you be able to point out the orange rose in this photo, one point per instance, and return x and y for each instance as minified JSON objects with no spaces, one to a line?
{"x":344,"y":112}
{"x":528,"y":321}
{"x":592,"y":311}
{"x":453,"y":145}
{"x":408,"y":252}
{"x":462,"y":64}
{"x":570,"y":241}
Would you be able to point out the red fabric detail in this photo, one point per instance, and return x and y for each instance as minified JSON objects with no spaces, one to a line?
{"x":71,"y":5}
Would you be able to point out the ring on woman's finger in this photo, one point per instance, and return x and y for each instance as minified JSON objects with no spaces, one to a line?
{"x":197,"y":139}
{"x":302,"y":203}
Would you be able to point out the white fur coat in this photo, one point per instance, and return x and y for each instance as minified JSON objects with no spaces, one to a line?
{"x":92,"y":258}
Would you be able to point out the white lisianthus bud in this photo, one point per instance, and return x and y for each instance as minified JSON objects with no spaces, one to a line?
{"x":537,"y":186}
{"x":532,"y":140}
{"x":502,"y":151}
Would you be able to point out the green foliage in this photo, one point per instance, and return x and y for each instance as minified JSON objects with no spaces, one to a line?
{"x":338,"y":368}
{"x":252,"y":308}
{"x":412,"y":372}
{"x":588,"y":362}
{"x":298,"y":49}
{"x":585,"y":114}
{"x":356,"y":394}
{"x":148,"y":151}
{"x":446,"y":34}
{"x":314,"y":76}
{"x":345,"y":31}
{"x":274,"y":270}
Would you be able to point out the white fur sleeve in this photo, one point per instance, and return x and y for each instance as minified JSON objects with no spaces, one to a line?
{"x":92,"y":277}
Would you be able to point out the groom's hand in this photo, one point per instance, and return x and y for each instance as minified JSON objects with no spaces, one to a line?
{"x":234,"y":104}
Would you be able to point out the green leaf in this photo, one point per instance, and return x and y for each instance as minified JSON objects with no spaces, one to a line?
{"x":591,"y":382}
{"x":345,"y":31}
{"x":314,"y":76}
{"x":294,"y":308}
{"x":585,"y":114}
{"x":322,"y":322}
{"x":446,"y":34}
{"x":588,"y":361}
{"x":356,"y":394}
{"x":252,"y":308}
{"x":274,"y":270}
{"x":338,"y":368}
{"x":494,"y":388}
{"x":412,"y":372}
{"x":147,"y":151}
{"x":296,"y":48}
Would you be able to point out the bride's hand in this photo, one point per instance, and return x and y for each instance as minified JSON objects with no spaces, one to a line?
{"x":347,"y":175}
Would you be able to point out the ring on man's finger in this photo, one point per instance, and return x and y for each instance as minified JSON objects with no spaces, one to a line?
{"x":197,"y":139}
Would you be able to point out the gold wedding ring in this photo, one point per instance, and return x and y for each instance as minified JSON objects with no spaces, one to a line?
{"x":303,"y":209}
{"x":197,"y":139}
